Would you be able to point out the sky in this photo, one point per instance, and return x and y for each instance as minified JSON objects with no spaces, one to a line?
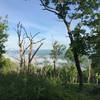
{"x":31,"y":14}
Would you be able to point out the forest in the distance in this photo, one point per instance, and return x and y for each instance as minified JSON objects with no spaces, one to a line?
{"x":71,"y":72}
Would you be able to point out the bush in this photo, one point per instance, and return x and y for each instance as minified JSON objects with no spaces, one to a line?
{"x":8,"y":66}
{"x":29,"y":87}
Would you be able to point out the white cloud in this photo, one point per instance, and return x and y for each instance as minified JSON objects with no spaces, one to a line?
{"x":29,"y":24}
{"x":56,"y":32}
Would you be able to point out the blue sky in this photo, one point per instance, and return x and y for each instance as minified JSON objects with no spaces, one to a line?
{"x":34,"y":19}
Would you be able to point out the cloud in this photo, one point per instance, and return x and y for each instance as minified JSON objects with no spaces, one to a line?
{"x":48,"y":28}
{"x":29,"y":24}
{"x":55,"y":32}
{"x":35,"y":25}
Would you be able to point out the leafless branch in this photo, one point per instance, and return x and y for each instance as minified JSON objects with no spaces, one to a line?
{"x":25,"y":32}
{"x":36,"y":51}
{"x":25,"y":49}
{"x":35,"y":35}
{"x":39,"y":41}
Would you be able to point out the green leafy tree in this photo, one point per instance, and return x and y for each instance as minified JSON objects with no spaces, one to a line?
{"x":84,"y":61}
{"x":56,"y":52}
{"x":69,"y":55}
{"x":72,"y":74}
{"x":25,"y":43}
{"x":94,"y":42}
{"x":69,"y":11}
{"x":97,"y":77}
{"x":96,"y":55}
{"x":3,"y":37}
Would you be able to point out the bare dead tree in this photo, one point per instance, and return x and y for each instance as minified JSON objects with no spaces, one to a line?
{"x":31,"y":54}
{"x":20,"y":43}
{"x":23,"y":49}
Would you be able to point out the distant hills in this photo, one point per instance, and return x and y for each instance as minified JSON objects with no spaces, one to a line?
{"x":40,"y":57}
{"x":40,"y":53}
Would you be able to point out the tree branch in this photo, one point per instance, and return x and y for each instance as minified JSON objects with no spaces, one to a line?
{"x":48,"y":8}
{"x":39,"y":41}
{"x":36,"y":51}
{"x":35,"y":35}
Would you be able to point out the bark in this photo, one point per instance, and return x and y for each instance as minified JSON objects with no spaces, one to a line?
{"x":54,"y":68}
{"x":31,"y":55}
{"x":20,"y":43}
{"x":77,"y":63}
{"x":89,"y":75}
{"x":21,"y":56}
{"x":75,"y":54}
{"x":48,"y":8}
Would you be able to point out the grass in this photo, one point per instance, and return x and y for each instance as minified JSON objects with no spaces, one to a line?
{"x":15,"y":86}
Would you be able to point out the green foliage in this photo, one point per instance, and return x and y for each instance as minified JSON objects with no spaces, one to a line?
{"x":27,"y":87}
{"x":8,"y":66}
{"x":57,"y":50}
{"x":14,"y":86}
{"x":95,"y":42}
{"x":63,"y":74}
{"x":3,"y":35}
{"x":41,"y":85}
{"x":84,"y":60}
{"x":69,"y":54}
{"x":86,"y":13}
{"x":97,"y":76}
{"x":79,"y":43}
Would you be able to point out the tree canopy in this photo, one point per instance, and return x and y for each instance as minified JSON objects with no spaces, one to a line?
{"x":85,"y":13}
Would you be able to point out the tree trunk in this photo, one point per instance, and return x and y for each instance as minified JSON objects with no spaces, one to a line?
{"x":20,"y":52}
{"x":54,"y":73}
{"x":77,"y":63}
{"x":89,"y":75}
{"x":75,"y":54}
